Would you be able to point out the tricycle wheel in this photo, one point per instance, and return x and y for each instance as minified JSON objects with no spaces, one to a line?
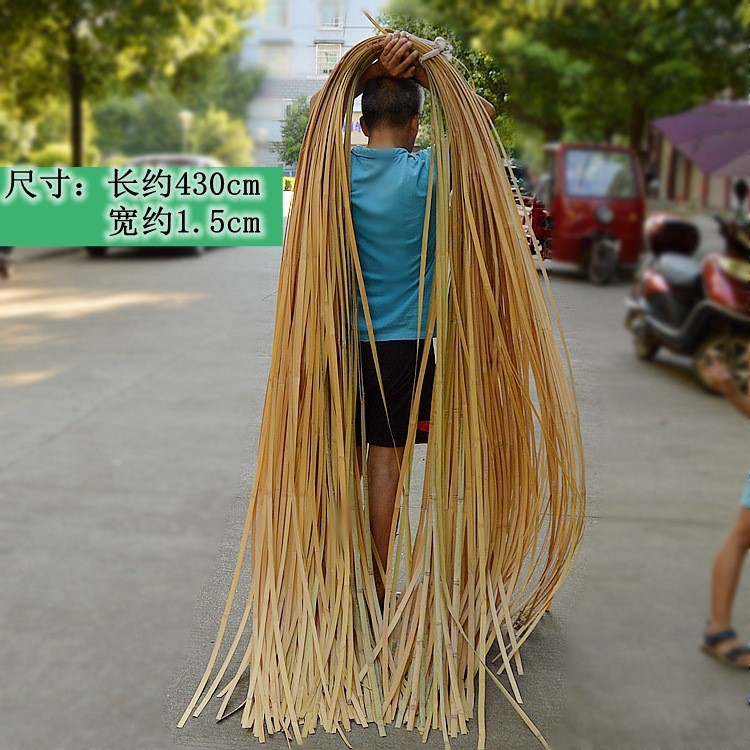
{"x":733,"y":349}
{"x":601,"y":263}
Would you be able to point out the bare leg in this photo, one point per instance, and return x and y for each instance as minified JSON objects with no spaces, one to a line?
{"x":725,"y":577}
{"x":383,"y":467}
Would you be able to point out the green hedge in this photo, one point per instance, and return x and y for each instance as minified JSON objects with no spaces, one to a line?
{"x":58,"y":154}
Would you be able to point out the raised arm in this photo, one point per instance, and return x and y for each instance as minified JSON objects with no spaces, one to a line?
{"x":398,"y":59}
{"x":420,"y":76}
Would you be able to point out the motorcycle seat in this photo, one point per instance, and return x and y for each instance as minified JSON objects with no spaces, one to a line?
{"x":681,"y":272}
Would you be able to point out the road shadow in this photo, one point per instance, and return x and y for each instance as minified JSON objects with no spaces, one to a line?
{"x":572,"y":273}
{"x":140,"y":253}
{"x":679,"y":369}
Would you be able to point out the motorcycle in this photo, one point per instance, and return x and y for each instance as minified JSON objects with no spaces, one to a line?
{"x":533,"y":213}
{"x":691,"y":307}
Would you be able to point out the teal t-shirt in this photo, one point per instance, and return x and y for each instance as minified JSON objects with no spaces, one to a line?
{"x":389,"y":197}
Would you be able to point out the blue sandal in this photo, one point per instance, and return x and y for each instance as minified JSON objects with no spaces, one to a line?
{"x":732,"y":655}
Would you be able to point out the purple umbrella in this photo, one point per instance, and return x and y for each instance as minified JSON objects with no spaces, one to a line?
{"x":714,"y":136}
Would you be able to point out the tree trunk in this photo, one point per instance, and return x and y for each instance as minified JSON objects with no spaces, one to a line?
{"x":553,"y":132}
{"x":637,"y":124}
{"x":76,"y":80}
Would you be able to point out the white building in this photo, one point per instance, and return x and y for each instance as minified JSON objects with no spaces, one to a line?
{"x":298,"y":42}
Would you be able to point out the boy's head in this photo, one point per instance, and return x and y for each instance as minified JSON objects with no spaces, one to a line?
{"x":394,"y":105}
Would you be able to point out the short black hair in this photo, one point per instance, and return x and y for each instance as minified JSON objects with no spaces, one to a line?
{"x":391,"y":102}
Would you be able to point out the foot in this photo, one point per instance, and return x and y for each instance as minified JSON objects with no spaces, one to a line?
{"x":726,"y":647}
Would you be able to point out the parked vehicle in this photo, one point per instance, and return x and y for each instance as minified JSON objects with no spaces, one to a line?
{"x":530,"y":205}
{"x":692,"y":307}
{"x":595,"y":198}
{"x":164,"y":160}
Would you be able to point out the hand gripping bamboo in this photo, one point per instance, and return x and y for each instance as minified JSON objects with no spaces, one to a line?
{"x":502,"y":509}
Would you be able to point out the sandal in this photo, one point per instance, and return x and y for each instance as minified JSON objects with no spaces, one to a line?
{"x":732,"y":655}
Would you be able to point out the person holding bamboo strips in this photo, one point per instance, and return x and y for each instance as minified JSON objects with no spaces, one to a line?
{"x":389,"y":187}
{"x":503,"y":502}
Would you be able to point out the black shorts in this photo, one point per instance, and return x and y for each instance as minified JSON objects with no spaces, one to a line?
{"x":399,"y":367}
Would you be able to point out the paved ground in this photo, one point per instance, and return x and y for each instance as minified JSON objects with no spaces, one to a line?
{"x":130,"y":394}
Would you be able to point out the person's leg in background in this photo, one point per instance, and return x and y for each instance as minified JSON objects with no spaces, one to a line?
{"x":724,"y":579}
{"x":719,"y":638}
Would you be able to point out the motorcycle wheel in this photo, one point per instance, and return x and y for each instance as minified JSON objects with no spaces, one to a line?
{"x":733,"y":349}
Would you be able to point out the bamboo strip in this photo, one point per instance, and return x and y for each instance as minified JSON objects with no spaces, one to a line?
{"x":503,"y":498}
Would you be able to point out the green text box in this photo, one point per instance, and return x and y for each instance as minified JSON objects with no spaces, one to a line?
{"x":141,"y":206}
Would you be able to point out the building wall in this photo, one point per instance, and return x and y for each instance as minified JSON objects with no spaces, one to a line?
{"x":286,"y":40}
{"x":681,"y":181}
{"x":718,"y":190}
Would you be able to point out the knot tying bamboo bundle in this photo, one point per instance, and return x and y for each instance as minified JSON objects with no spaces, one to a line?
{"x":502,"y":508}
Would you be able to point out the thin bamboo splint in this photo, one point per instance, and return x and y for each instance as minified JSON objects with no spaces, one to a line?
{"x":503,"y":503}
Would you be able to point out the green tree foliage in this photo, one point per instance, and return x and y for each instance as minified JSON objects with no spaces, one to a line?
{"x":92,"y":47}
{"x":54,"y":124}
{"x":116,"y":121}
{"x":218,"y":134}
{"x":151,"y":124}
{"x":16,"y":138}
{"x":54,"y":154}
{"x":148,"y":123}
{"x":221,"y":82}
{"x":293,"y":130}
{"x":601,"y":69}
{"x":23,"y":139}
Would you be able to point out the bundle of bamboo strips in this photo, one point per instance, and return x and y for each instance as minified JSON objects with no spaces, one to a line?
{"x":503,"y":501}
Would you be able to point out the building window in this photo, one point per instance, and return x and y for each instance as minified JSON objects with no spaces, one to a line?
{"x":331,"y":14}
{"x":275,"y":58}
{"x":326,"y":57}
{"x":277,"y":14}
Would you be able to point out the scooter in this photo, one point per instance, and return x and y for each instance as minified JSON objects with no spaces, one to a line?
{"x":691,"y":307}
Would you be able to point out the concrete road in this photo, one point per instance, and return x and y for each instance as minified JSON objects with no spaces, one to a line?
{"x":130,"y":396}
